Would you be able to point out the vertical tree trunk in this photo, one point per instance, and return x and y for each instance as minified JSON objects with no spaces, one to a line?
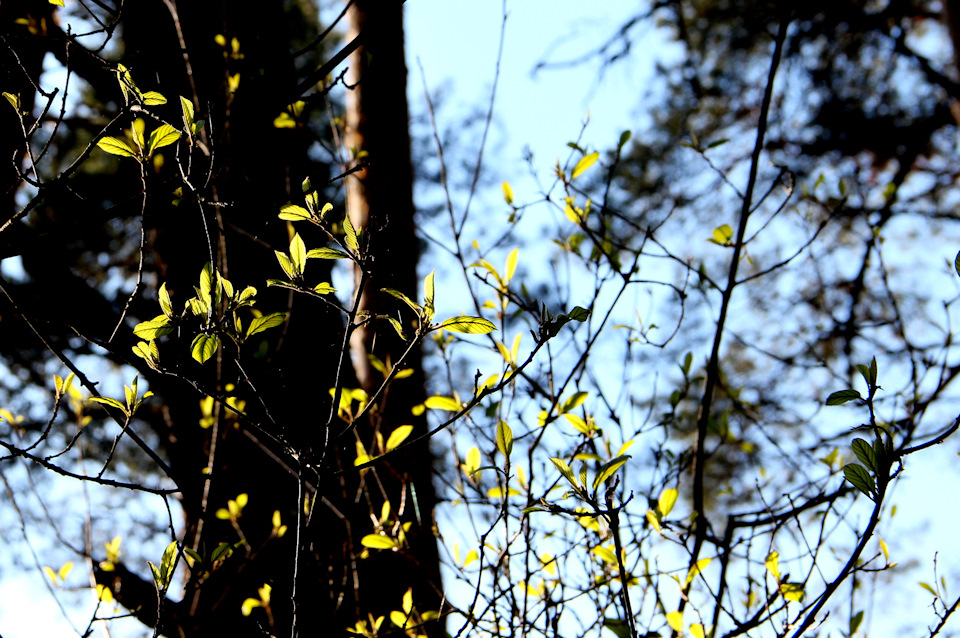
{"x":380,"y":201}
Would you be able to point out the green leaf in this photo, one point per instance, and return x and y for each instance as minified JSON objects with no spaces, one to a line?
{"x":165,"y":305}
{"x":379,"y":541}
{"x":294,"y":213}
{"x":843,"y":396}
{"x":204,"y":346}
{"x":265,"y":322}
{"x":865,"y":453}
{"x":620,"y":628}
{"x":326,"y":253}
{"x":152,"y":98}
{"x":468,"y":325}
{"x":860,"y":478}
{"x":298,"y":254}
{"x":608,"y":470}
{"x":443,"y":403}
{"x":163,"y":135}
{"x":398,"y":436}
{"x":504,"y":439}
{"x":624,"y":138}
{"x":116,"y":146}
{"x":324,"y":288}
{"x":350,"y":234}
{"x":155,"y":328}
{"x":855,"y":622}
{"x":585,"y":163}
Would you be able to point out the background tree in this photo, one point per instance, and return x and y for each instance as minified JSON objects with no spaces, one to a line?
{"x":244,"y":145}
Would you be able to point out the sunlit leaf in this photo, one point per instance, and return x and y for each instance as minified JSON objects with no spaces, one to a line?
{"x":203,"y":347}
{"x":398,"y":436}
{"x":507,"y":192}
{"x":152,"y":98}
{"x":298,"y":254}
{"x":511,"y":266}
{"x":793,"y":592}
{"x":294,"y":213}
{"x":696,"y":569}
{"x":443,"y":403}
{"x":675,"y":620}
{"x":378,"y":541}
{"x":164,"y":135}
{"x":666,"y":501}
{"x":264,"y":322}
{"x":350,"y":234}
{"x":605,"y":554}
{"x":504,"y":439}
{"x":609,"y":469}
{"x":155,"y":328}
{"x":116,"y":146}
{"x":326,"y":253}
{"x":585,"y":163}
{"x":772,"y":564}
{"x":468,"y":325}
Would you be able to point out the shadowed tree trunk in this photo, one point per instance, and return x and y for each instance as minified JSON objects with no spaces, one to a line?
{"x":237,"y":84}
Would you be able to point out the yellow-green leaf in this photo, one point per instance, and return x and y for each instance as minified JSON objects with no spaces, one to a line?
{"x":265,"y":322}
{"x":204,"y":346}
{"x":793,"y":592}
{"x":507,"y":192}
{"x":666,"y":501}
{"x":468,"y":325}
{"x":155,"y":328}
{"x":773,"y":564}
{"x":163,"y":135}
{"x":443,"y":403}
{"x":504,"y":438}
{"x":398,"y":436}
{"x":675,"y":620}
{"x":350,"y":234}
{"x":294,"y":213}
{"x":585,"y":162}
{"x":511,"y":266}
{"x":696,"y":569}
{"x":116,"y":146}
{"x":152,"y":98}
{"x":722,"y":235}
{"x":378,"y":541}
{"x":605,"y":554}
